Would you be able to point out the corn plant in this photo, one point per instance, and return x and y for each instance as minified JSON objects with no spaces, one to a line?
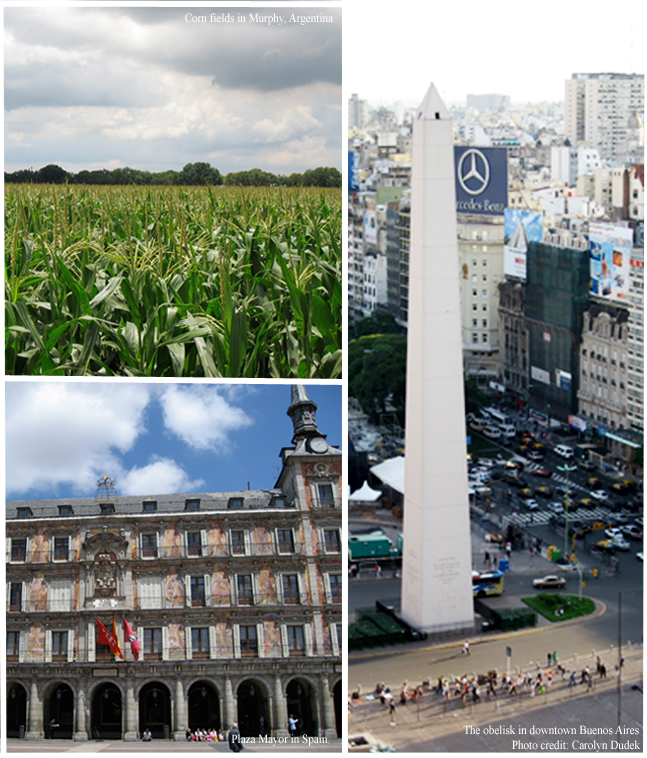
{"x":168,"y":281}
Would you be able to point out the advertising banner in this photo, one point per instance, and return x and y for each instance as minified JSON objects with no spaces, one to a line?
{"x":481,"y":180}
{"x":519,"y":228}
{"x":353,"y":171}
{"x":610,"y":249}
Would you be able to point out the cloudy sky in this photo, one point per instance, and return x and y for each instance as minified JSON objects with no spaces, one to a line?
{"x":147,"y":88}
{"x":525,"y":50}
{"x":151,"y":438}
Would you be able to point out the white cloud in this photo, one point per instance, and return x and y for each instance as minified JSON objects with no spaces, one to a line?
{"x":69,"y":433}
{"x":159,"y":476}
{"x":201,"y":416}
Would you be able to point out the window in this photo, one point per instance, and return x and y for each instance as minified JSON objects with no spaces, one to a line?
{"x":149,"y":506}
{"x":474,"y":323}
{"x":475,"y":338}
{"x":290,"y":589}
{"x":244,"y":589}
{"x":285,"y":540}
{"x":103,"y":653}
{"x":237,"y":538}
{"x":484,"y":293}
{"x":59,"y":646}
{"x":278,"y":502}
{"x":235,"y":502}
{"x":484,"y":337}
{"x":149,"y":592}
{"x":192,"y":505}
{"x":149,"y":545}
{"x":296,"y":640}
{"x":23,"y":512}
{"x":326,"y":495}
{"x":59,"y":595}
{"x":65,"y":510}
{"x":194,"y":543}
{"x":197,"y":591}
{"x":335,"y":587}
{"x":200,"y":643}
{"x":332,"y":543}
{"x":13,"y":646}
{"x":474,"y":293}
{"x":248,"y":641}
{"x":475,"y":307}
{"x":15,"y":597}
{"x":19,"y":549}
{"x":153,"y":644}
{"x":107,"y":508}
{"x":485,"y":323}
{"x":340,"y":637}
{"x":61,"y":548}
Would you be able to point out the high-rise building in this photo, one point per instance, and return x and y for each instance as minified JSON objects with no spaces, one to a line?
{"x":233,"y":597}
{"x":356,"y":112}
{"x":606,"y":110}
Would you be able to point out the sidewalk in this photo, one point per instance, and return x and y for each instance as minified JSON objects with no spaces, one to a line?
{"x":435,"y":725}
{"x":167,"y":746}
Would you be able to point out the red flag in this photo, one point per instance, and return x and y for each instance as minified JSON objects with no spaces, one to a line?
{"x":104,"y":637}
{"x":134,"y":642}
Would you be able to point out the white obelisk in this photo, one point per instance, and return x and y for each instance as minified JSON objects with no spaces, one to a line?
{"x":437,"y":561}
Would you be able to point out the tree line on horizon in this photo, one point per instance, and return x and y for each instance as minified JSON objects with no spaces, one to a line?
{"x":193,"y":174}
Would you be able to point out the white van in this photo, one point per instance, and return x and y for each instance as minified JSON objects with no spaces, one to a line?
{"x":564,"y":451}
{"x":508,"y":430}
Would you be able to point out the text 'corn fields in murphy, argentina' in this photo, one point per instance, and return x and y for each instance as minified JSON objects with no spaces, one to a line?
{"x":173,"y":281}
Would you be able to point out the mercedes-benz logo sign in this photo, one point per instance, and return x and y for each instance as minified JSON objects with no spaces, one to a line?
{"x":474,"y":168}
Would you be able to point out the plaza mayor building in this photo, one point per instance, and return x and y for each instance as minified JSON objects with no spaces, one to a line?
{"x":226,"y":606}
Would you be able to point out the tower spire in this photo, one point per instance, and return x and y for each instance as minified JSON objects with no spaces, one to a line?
{"x":303,"y":413}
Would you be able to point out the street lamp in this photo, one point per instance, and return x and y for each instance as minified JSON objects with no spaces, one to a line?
{"x":567,"y":469}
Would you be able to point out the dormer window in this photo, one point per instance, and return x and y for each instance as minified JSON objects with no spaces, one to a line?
{"x":149,"y":506}
{"x":24,"y":513}
{"x":235,"y":502}
{"x":107,"y":508}
{"x":192,"y":505}
{"x":65,"y":510}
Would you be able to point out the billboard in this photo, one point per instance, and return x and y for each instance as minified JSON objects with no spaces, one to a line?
{"x":610,"y":250}
{"x":370,"y":227}
{"x":481,"y":178}
{"x":519,"y":228}
{"x":353,"y":171}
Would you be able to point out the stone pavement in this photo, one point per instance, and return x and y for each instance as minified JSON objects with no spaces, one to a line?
{"x":496,"y":725}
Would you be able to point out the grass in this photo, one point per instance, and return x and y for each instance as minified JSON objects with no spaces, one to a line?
{"x":172,"y":281}
{"x":548,"y":603}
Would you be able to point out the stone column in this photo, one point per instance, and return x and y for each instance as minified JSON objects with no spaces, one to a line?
{"x":132,"y":731}
{"x":230,"y":705}
{"x":180,"y":712}
{"x":35,"y":726}
{"x":328,"y":728}
{"x":81,"y":733}
{"x":281,"y":714}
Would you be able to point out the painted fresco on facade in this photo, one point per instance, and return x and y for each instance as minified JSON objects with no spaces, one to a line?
{"x":174,"y":589}
{"x":266,"y":585}
{"x":176,"y":641}
{"x":224,"y":637}
{"x":38,"y":593}
{"x":262,"y":539}
{"x":272,"y":636}
{"x":40,"y":546}
{"x":36,"y":643}
{"x":217,"y":540}
{"x":172,"y":543}
{"x":220,"y":592}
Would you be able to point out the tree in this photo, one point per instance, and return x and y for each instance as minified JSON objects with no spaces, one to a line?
{"x":377,"y":366}
{"x":377,"y":323}
{"x":53,"y":174}
{"x":199,"y":174}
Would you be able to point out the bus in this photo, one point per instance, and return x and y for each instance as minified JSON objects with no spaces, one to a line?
{"x":487,"y":583}
{"x":496,"y":416}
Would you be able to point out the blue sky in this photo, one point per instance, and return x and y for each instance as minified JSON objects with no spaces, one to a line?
{"x":151,"y":438}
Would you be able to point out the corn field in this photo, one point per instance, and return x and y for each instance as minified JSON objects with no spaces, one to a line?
{"x":172,"y":281}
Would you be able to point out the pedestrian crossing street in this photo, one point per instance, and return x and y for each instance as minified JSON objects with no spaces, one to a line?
{"x":542,"y":516}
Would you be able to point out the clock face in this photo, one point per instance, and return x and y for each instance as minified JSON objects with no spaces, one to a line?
{"x":318,"y":445}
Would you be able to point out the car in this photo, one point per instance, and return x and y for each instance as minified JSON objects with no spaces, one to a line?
{"x":620,"y":543}
{"x":544,"y":492}
{"x":593,"y":483}
{"x":600,"y":495}
{"x":568,"y":490}
{"x":514,"y":464}
{"x":619,"y":519}
{"x":492,"y":432}
{"x":550,"y":582}
{"x":531,"y":505}
{"x":613,"y":531}
{"x":556,"y":507}
{"x":586,"y":465}
{"x":535,"y":455}
{"x":585,"y":502}
{"x":604,"y":546}
{"x":541,"y":472}
{"x":515,"y":481}
{"x":632,"y":531}
{"x":475,"y":424}
{"x":525,"y":493}
{"x":639,"y":556}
